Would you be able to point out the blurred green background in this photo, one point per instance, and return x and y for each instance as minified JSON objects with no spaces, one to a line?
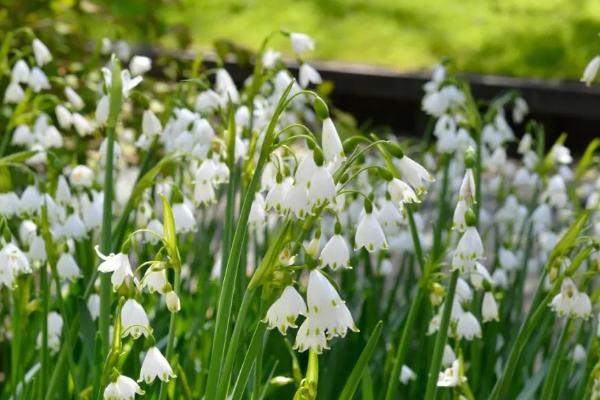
{"x":537,"y":38}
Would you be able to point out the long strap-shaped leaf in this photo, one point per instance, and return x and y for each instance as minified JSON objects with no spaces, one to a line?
{"x":360,"y":366}
{"x":249,"y":358}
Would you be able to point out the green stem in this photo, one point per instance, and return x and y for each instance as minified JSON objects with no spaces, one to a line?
{"x":45,"y":289}
{"x":171,"y":335}
{"x":105,"y":288}
{"x":440,"y":340}
{"x":555,"y":363}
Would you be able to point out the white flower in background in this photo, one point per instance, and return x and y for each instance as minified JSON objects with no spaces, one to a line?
{"x":458,"y":218}
{"x":63,"y":191}
{"x":270,"y":58}
{"x":155,"y":226}
{"x":93,"y":305}
{"x":306,"y":169}
{"x":332,"y":145}
{"x":40,"y":52}
{"x":449,"y":356}
{"x":184,"y":218}
{"x":27,"y":231}
{"x":102,"y":109}
{"x":369,"y":234}
{"x":389,"y":216}
{"x":570,"y":302}
{"x":55,"y":326}
{"x":520,"y":110}
{"x":407,"y":375}
{"x":401,"y":192}
{"x":154,"y":280}
{"x":127,"y":81}
{"x":257,"y":216}
{"x":20,"y":72}
{"x":452,"y":376}
{"x":31,"y":200}
{"x":22,"y":136}
{"x":117,"y":264}
{"x":301,"y":42}
{"x":310,"y":336}
{"x":155,"y":365}
{"x":82,"y":175}
{"x":37,"y":250}
{"x":139,"y":65}
{"x":468,"y":251}
{"x":14,"y":93}
{"x":591,"y":70}
{"x":285,"y":310}
{"x":336,"y":253}
{"x":413,"y":173}
{"x":507,"y":259}
{"x":74,"y":98}
{"x":63,"y":116}
{"x":207,"y":101}
{"x":307,"y":75}
{"x":82,"y":125}
{"x":13,"y":262}
{"x":479,"y":275}
{"x":579,"y":354}
{"x":151,"y":125}
{"x":67,"y":267}
{"x":489,"y":308}
{"x":74,"y":228}
{"x":225,"y":86}
{"x":134,"y":320}
{"x":204,"y":193}
{"x":38,"y":80}
{"x":561,"y":154}
{"x":123,"y":388}
{"x":326,"y":309}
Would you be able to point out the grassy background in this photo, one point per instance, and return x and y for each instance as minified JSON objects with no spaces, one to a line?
{"x":539,"y":38}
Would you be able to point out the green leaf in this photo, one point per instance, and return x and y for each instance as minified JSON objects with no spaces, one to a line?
{"x":361,"y":365}
{"x":170,"y":235}
{"x":16,"y":158}
{"x":569,"y":238}
{"x":587,"y":158}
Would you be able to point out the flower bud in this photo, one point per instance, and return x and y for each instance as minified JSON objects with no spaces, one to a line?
{"x":172,"y":300}
{"x":320,"y":108}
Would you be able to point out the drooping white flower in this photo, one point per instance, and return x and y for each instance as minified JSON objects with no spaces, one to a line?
{"x":579,"y":354}
{"x":570,"y":302}
{"x":102,"y":109}
{"x":139,"y":65}
{"x":172,"y":301}
{"x":22,"y":136}
{"x":591,"y":70}
{"x":74,"y":98}
{"x":296,"y":201}
{"x":306,"y":169}
{"x":479,"y":275}
{"x":93,"y":305}
{"x":123,"y":388}
{"x":489,"y":308}
{"x":40,"y":52}
{"x":31,"y":200}
{"x":414,"y":173}
{"x":13,"y":262}
{"x":82,"y":175}
{"x":389,"y":216}
{"x":310,"y":336}
{"x":401,"y":192}
{"x":332,"y":145}
{"x":276,"y":195}
{"x":184,"y":218}
{"x":369,"y":234}
{"x":134,"y":320}
{"x":67,"y":267}
{"x":407,"y":375}
{"x":336,"y":253}
{"x":20,"y":72}
{"x":322,"y":188}
{"x":204,"y":193}
{"x":468,"y":327}
{"x":452,"y":376}
{"x":151,"y":125}
{"x":468,"y":251}
{"x":155,"y":226}
{"x":326,"y":309}
{"x":74,"y":228}
{"x":117,"y":264}
{"x":467,"y":188}
{"x":449,"y":356}
{"x":38,"y":80}
{"x":154,"y":280}
{"x":82,"y":125}
{"x":14,"y":93}
{"x":225,"y":86}
{"x":63,"y":116}
{"x":301,"y":42}
{"x":55,"y":326}
{"x":308,"y":74}
{"x":155,"y":365}
{"x":285,"y":310}
{"x":458,"y":218}
{"x":507,"y":259}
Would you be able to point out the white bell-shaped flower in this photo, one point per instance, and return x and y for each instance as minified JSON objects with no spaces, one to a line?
{"x":204,"y":193}
{"x":369,"y":234}
{"x":38,"y":80}
{"x":336,"y":253}
{"x":322,"y":188}
{"x":591,"y":70}
{"x":310,"y":336}
{"x":332,"y":145}
{"x":468,"y":327}
{"x":155,"y":365}
{"x":401,"y":192}
{"x":20,"y":72}
{"x":134,"y":320}
{"x":117,"y":264}
{"x":468,"y":251}
{"x":307,"y":75}
{"x":139,"y":65}
{"x":102,"y":109}
{"x":67,"y":267}
{"x":123,"y":388}
{"x":301,"y":42}
{"x":407,"y":375}
{"x":184,"y":218}
{"x":82,"y":175}
{"x":458,"y":218}
{"x":467,"y":187}
{"x":296,"y":201}
{"x":414,"y":173}
{"x":93,"y":305}
{"x":570,"y":302}
{"x":82,"y":125}
{"x":276,"y":195}
{"x":325,"y":307}
{"x":63,"y":116}
{"x":74,"y":98}
{"x":31,"y":200}
{"x":151,"y":125}
{"x":452,"y":376}
{"x":74,"y":228}
{"x":489,"y":308}
{"x":14,"y":93}
{"x":40,"y":52}
{"x":285,"y":310}
{"x":172,"y":301}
